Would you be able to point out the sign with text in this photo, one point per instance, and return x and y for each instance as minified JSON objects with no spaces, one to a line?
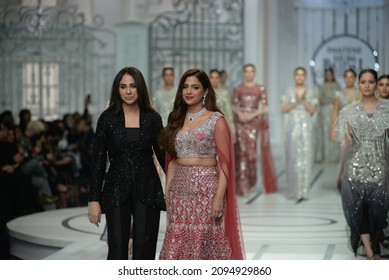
{"x":341,"y":53}
{"x":317,"y":4}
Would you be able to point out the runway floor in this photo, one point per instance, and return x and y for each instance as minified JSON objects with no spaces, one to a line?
{"x":274,"y":228}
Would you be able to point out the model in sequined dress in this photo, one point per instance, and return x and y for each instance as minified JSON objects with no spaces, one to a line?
{"x":344,"y":97}
{"x":249,"y":104}
{"x":163,"y":98}
{"x":126,"y":137}
{"x":299,"y":104}
{"x":223,"y":81}
{"x":326,"y":150}
{"x":363,"y":129}
{"x":383,"y":92}
{"x":223,"y":99}
{"x":202,"y":214}
{"x":383,"y":86}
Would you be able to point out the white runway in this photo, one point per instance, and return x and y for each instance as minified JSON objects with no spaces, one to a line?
{"x":274,"y":228}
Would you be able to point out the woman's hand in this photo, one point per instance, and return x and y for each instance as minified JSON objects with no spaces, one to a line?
{"x":333,"y":134}
{"x":94,"y":213}
{"x":242,"y":117}
{"x":300,"y":96}
{"x":217,"y":208}
{"x":339,"y":183}
{"x":251,"y":116}
{"x":8,"y":168}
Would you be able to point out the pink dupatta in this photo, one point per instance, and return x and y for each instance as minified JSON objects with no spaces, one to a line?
{"x":226,"y":157}
{"x":268,"y":170}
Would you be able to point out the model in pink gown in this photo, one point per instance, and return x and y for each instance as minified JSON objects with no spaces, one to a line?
{"x":192,"y":234}
{"x":248,"y":100}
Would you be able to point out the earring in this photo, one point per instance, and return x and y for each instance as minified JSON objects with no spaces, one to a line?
{"x":204,"y":100}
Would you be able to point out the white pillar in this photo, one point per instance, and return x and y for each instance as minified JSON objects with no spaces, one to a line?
{"x":133,"y":46}
{"x":385,"y":66}
{"x":254,"y":35}
{"x":271,"y":75}
{"x":260,"y":43}
{"x":129,"y":10}
{"x":87,"y":8}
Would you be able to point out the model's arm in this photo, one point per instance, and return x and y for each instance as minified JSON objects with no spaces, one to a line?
{"x":261,"y":111}
{"x":235,"y":101}
{"x":223,"y":146}
{"x":335,"y":113}
{"x":99,"y":160}
{"x":287,"y":107}
{"x":169,"y":175}
{"x":345,"y":144}
{"x":159,"y":153}
{"x":286,"y":104}
{"x":308,"y":106}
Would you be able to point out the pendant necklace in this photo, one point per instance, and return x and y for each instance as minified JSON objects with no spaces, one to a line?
{"x":193,"y":117}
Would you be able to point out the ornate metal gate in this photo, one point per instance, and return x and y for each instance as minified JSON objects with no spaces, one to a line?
{"x":50,"y":60}
{"x":198,"y":33}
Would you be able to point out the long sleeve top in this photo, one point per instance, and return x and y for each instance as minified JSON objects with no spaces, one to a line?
{"x":131,"y":170}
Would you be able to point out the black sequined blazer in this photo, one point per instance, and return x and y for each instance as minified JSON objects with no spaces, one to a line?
{"x":131,"y":167}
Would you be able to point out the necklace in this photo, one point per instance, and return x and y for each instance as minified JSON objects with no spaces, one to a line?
{"x":192,"y":117}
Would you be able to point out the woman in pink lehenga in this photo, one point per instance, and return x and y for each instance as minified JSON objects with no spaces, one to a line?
{"x":249,"y":104}
{"x":202,"y":214}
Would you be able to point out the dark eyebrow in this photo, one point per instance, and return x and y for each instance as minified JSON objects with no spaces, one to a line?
{"x":192,"y":85}
{"x":126,"y":84}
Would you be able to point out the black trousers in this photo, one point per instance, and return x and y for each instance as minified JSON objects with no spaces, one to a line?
{"x":144,"y":231}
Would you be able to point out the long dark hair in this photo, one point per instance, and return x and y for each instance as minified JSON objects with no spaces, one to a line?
{"x":368,"y":70}
{"x":177,"y":116}
{"x":248,"y":65}
{"x":332,"y":72}
{"x":349,"y":70}
{"x":300,"y":68}
{"x":116,"y":103}
{"x":384,"y":76}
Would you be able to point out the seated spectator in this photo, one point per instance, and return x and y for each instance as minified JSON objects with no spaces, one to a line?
{"x":24,"y":119}
{"x":16,"y":192}
{"x":32,"y":164}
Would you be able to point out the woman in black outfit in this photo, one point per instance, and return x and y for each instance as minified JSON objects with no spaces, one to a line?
{"x":127,"y":134}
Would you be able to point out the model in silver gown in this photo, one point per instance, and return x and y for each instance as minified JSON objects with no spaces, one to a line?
{"x":326,"y":150}
{"x":299,"y":145}
{"x":163,"y":100}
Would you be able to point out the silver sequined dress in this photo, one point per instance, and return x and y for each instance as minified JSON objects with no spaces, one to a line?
{"x":326,"y":150}
{"x":223,"y":99}
{"x":163,"y":100}
{"x":299,"y":144}
{"x":344,"y":96}
{"x":365,"y":170}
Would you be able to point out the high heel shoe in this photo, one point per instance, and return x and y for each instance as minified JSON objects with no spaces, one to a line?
{"x":373,"y":257}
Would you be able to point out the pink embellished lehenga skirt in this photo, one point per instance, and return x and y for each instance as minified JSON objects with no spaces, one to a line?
{"x":192,"y":234}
